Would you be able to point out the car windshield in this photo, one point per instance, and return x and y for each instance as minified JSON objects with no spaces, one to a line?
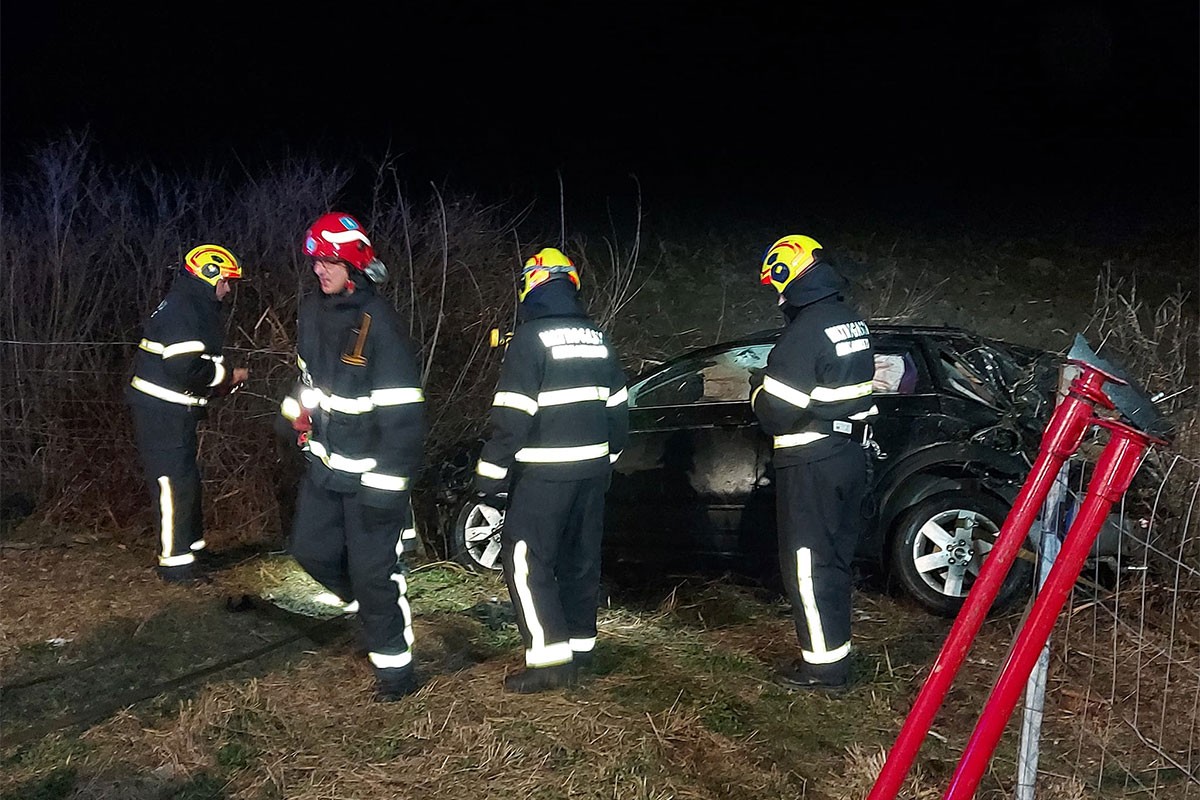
{"x":722,"y":377}
{"x":964,"y":370}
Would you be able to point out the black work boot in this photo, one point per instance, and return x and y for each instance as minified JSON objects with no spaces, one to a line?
{"x":390,"y":688}
{"x":185,"y":575}
{"x":584,"y":661}
{"x":829,"y":678}
{"x":541,"y":679}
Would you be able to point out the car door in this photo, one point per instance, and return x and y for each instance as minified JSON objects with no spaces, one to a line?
{"x":695,"y":457}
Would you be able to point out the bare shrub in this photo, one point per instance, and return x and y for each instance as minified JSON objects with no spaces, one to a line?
{"x":91,"y":249}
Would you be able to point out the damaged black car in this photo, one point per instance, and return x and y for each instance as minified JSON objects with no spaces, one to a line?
{"x":960,"y":420}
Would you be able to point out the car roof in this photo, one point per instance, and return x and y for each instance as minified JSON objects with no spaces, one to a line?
{"x":770,"y":334}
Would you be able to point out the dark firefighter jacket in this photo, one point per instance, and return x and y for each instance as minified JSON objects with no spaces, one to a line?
{"x":179,"y":362}
{"x":815,"y":392}
{"x":361,"y":388}
{"x":560,"y":410}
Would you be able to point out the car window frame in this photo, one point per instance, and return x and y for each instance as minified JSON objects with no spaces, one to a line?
{"x":637,"y":388}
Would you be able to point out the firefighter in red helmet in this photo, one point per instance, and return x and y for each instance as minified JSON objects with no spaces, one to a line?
{"x":558,"y":422}
{"x":814,"y":400}
{"x":178,"y":369}
{"x":359,"y":414}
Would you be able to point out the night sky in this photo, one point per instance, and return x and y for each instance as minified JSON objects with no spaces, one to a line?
{"x":853,"y":105}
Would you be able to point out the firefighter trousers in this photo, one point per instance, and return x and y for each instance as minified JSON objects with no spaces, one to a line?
{"x":550,"y":548}
{"x":166,"y":442}
{"x":819,"y":511}
{"x":354,"y":551}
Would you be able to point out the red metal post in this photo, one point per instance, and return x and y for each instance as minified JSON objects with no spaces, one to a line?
{"x":1114,"y":472}
{"x":1062,"y":438}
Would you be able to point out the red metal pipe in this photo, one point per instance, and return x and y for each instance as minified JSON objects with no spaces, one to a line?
{"x":1062,"y":438}
{"x":1114,"y":471}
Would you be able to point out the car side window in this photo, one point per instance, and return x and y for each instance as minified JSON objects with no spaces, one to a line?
{"x":722,"y":377}
{"x":895,"y":373}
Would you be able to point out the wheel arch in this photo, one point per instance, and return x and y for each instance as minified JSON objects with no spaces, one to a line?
{"x":936,"y":468}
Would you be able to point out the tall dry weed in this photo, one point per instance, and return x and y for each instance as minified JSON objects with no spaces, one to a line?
{"x":90,"y":250}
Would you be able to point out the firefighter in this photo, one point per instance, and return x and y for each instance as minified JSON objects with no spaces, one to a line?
{"x":558,"y":422}
{"x":178,"y":368}
{"x":360,"y":419}
{"x":814,"y":399}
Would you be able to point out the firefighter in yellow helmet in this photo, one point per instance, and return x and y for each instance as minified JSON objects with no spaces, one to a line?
{"x":558,"y":422}
{"x":178,"y":369}
{"x":814,"y":399}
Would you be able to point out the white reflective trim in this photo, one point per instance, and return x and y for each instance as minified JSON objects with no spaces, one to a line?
{"x":300,"y":363}
{"x":346,"y":405}
{"x":151,"y":347}
{"x":785,"y":392}
{"x":539,"y":654}
{"x":525,"y":606}
{"x":398,"y":396}
{"x":561,"y":455}
{"x":828,"y":657}
{"x":621,"y":396}
{"x":847,"y":330}
{"x":612,"y":457}
{"x":852,"y":346}
{"x":218,"y":371}
{"x":198,"y":545}
{"x":310,"y":398}
{"x":489,"y":470}
{"x":166,"y":515}
{"x":549,"y":656}
{"x":870,"y":412}
{"x":583,"y":645}
{"x":177,"y":561}
{"x":833,"y":394}
{"x":405,"y":609}
{"x":408,"y":533}
{"x":579,"y":394}
{"x":516,"y":400}
{"x":290,"y":408}
{"x":182,"y":348}
{"x":820,"y":653}
{"x":379,"y":480}
{"x":798,"y":439}
{"x":341,"y":237}
{"x":385,"y":661}
{"x":154,"y":390}
{"x":335,"y":461}
{"x":565,"y":351}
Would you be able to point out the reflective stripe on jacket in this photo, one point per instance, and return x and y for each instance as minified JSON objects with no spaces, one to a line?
{"x":560,"y":410}
{"x":179,"y":359}
{"x":818,"y":373}
{"x":360,"y":385}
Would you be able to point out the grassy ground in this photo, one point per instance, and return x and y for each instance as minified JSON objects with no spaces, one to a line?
{"x":153,"y":691}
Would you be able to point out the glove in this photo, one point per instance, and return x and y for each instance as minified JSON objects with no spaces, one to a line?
{"x":496,"y":500}
{"x":302,"y":425}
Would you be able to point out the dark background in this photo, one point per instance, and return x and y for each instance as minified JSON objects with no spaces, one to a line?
{"x":940,"y":114}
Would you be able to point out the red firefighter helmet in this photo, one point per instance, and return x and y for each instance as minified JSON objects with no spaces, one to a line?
{"x":339,"y":237}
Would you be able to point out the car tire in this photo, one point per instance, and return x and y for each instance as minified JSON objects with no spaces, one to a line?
{"x":475,"y":538}
{"x":940,"y":544}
